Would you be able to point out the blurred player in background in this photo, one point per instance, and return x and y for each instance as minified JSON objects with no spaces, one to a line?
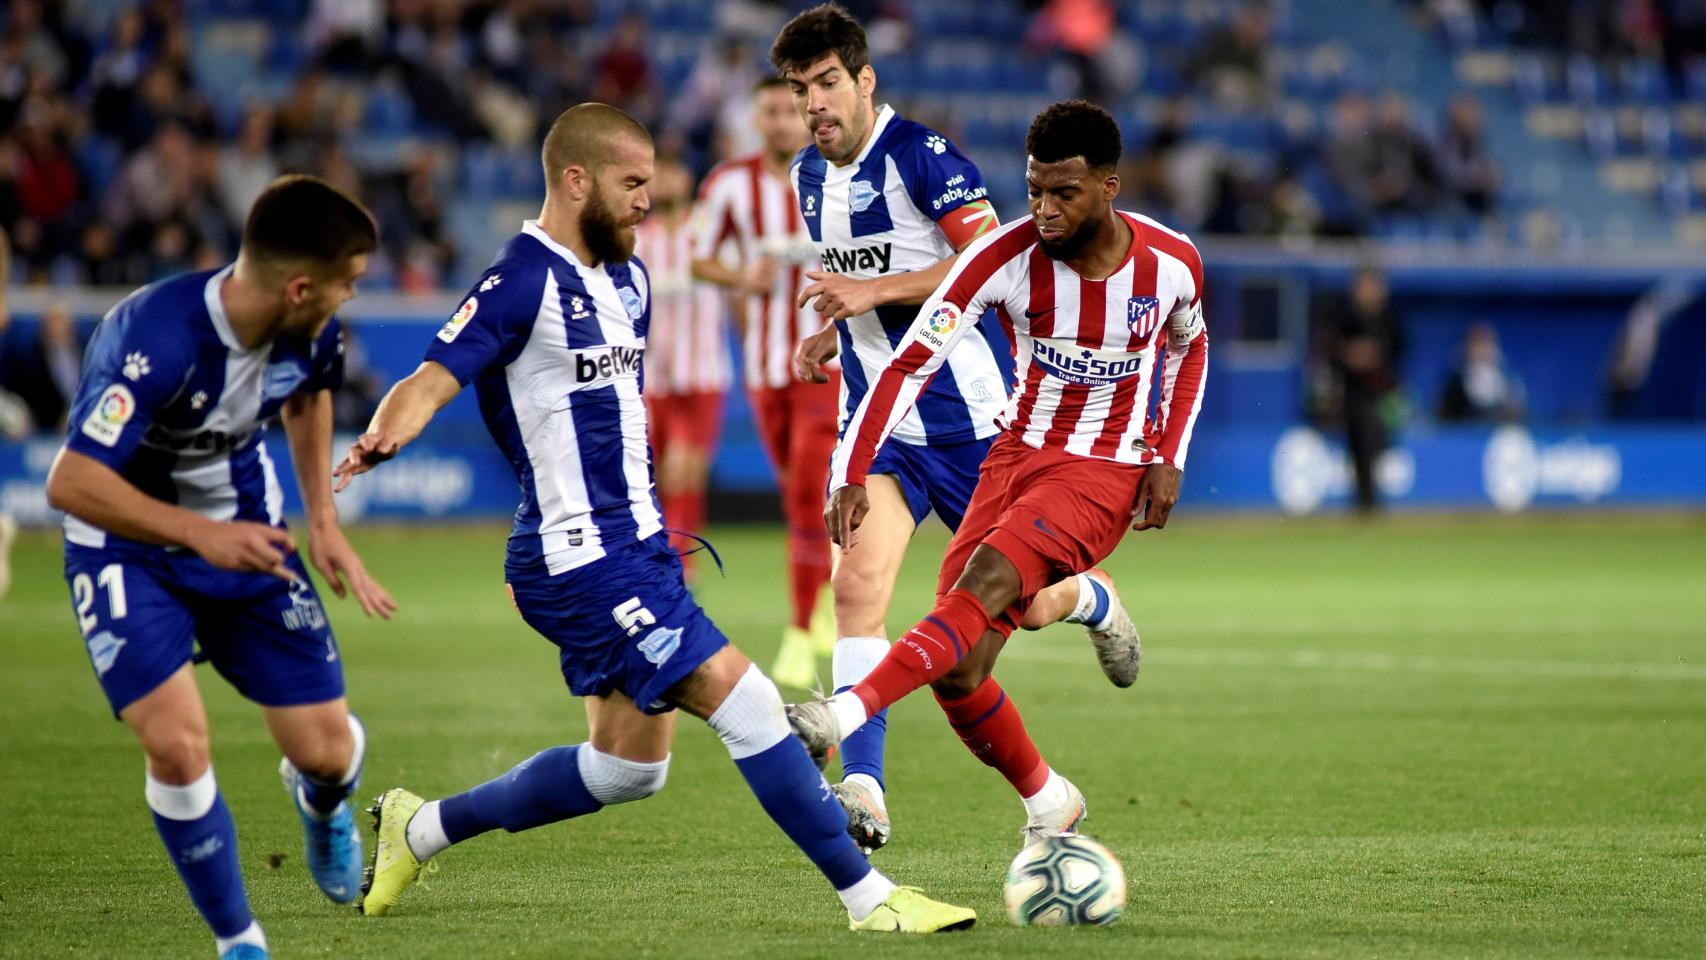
{"x":1098,"y":300}
{"x":174,"y":536}
{"x":687,"y":360}
{"x":888,"y":203}
{"x":747,"y":203}
{"x":553,"y":337}
{"x":14,"y":412}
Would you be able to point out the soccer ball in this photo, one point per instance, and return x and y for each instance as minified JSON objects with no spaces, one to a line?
{"x":1062,"y":881}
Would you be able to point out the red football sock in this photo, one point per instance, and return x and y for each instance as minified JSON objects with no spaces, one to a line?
{"x":808,"y":571}
{"x":989,"y":726}
{"x":926,"y":652}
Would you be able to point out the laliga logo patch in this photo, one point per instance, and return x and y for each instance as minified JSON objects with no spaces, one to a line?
{"x":941,"y":325}
{"x":860,"y":195}
{"x":106,"y":422}
{"x":1143,"y":315}
{"x":459,"y":319}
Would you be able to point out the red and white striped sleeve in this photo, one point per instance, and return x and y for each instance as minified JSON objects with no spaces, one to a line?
{"x":713,"y":220}
{"x":1186,"y":369}
{"x":980,"y":278}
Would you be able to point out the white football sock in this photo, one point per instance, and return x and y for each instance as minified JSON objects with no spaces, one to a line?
{"x":252,"y":936}
{"x":1086,"y":607}
{"x":425,"y":832}
{"x":870,"y":783}
{"x":849,"y":713}
{"x":866,"y":895}
{"x":1049,"y":798}
{"x":855,"y":658}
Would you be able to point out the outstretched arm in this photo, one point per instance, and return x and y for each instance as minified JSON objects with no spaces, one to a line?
{"x":402,"y":415}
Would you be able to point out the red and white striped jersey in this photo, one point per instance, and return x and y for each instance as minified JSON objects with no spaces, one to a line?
{"x":742,"y":203}
{"x":1086,"y":351}
{"x":687,"y":348}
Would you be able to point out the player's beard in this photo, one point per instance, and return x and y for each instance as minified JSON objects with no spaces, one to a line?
{"x":608,"y":238}
{"x":1069,"y":247}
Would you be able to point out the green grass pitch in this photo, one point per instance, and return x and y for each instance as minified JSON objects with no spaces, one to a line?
{"x":1432,"y":737}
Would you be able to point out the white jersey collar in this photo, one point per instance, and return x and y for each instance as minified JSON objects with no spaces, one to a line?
{"x":885,"y":113}
{"x":216,"y":309}
{"x":534,"y":230}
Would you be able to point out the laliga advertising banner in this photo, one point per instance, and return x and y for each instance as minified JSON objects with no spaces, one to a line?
{"x":1511,"y":468}
{"x":1297,"y":470}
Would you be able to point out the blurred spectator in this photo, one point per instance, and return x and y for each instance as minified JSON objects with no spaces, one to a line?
{"x":1232,"y":65}
{"x":622,"y":75}
{"x":246,"y":166}
{"x":354,"y":404}
{"x":1081,"y":31}
{"x":47,"y":182}
{"x":1380,"y":162}
{"x":714,"y":111}
{"x":1481,"y":388}
{"x":1466,"y":168}
{"x":1359,"y":340}
{"x":154,"y":186}
{"x":345,"y":34}
{"x":43,"y":372}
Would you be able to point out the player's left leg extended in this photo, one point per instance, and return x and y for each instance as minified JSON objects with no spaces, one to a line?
{"x":323,"y":746}
{"x":744,"y":707}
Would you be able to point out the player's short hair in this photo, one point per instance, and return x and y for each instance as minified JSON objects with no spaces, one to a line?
{"x":299,"y":217}
{"x":770,"y":82}
{"x":1075,"y":128}
{"x":825,"y":28}
{"x":583,"y":136}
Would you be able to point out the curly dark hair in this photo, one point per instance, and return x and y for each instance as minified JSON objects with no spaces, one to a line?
{"x":1075,"y":128}
{"x":825,"y":28}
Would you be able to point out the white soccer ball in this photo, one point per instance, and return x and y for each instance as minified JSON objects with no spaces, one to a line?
{"x":1062,"y":881}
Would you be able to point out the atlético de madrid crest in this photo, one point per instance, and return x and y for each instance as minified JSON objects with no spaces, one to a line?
{"x":1142,"y":315}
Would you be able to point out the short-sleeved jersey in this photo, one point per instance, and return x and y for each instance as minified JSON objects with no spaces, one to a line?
{"x":687,"y":349}
{"x":172,"y":403}
{"x":555,"y":350}
{"x":741,"y":203}
{"x":876,"y":216}
{"x":1088,"y":350}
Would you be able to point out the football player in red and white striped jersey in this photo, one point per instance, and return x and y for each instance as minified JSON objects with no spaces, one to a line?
{"x":687,"y":358}
{"x":1100,"y":303}
{"x":747,"y":204}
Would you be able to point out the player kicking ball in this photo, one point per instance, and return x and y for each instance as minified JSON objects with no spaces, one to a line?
{"x":553,"y":336}
{"x":1097,"y":300}
{"x":888,"y":203}
{"x":174,"y":536}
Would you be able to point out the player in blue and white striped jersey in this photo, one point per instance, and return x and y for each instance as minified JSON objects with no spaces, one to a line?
{"x":553,"y":336}
{"x":174,"y":536}
{"x":890,"y":203}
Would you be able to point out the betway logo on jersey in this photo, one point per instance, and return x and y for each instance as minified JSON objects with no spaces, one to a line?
{"x":875,"y":258}
{"x":1080,"y":365}
{"x":614,"y":363}
{"x":194,"y":441}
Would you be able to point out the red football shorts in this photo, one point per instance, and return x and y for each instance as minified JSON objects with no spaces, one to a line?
{"x":1052,"y":514}
{"x":685,"y":419}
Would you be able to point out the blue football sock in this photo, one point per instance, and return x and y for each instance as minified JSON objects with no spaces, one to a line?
{"x":792,"y":791}
{"x":862,"y":751}
{"x":545,"y":788}
{"x":201,"y":838}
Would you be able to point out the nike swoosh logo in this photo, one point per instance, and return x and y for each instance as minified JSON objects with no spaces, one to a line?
{"x":1045,"y":529}
{"x":1033,"y":314}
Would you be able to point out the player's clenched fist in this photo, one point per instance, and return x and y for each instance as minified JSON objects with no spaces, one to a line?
{"x":1156,"y":494}
{"x":245,"y":546}
{"x":368,"y":451}
{"x":814,"y":352}
{"x":845,"y":512}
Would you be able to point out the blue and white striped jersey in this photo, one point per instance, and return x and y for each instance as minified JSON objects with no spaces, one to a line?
{"x":554,"y":349}
{"x":171,"y":402}
{"x":876,"y":216}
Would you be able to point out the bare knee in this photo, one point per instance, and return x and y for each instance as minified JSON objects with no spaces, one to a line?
{"x":962,"y":681}
{"x":321,"y":747}
{"x":991,"y":578}
{"x":861,"y":600}
{"x":177,"y":755}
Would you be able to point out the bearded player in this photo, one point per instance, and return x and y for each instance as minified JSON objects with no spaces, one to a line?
{"x":888,"y":203}
{"x":553,"y":337}
{"x":1098,"y":302}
